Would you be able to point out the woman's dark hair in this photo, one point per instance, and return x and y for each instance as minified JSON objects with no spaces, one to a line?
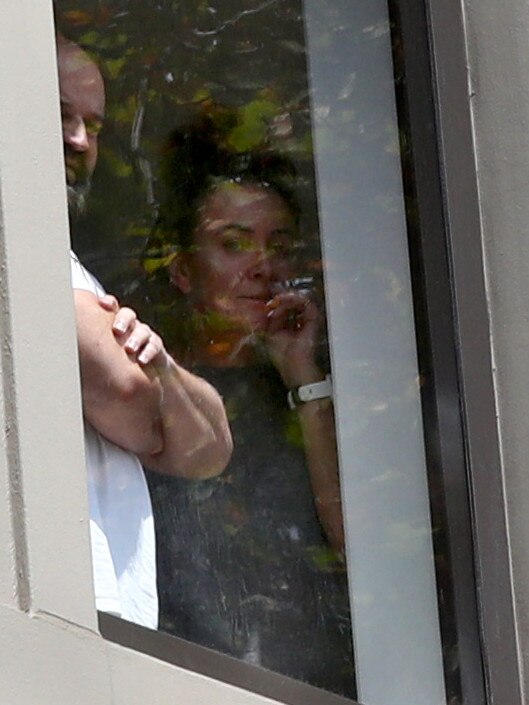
{"x":195,"y":163}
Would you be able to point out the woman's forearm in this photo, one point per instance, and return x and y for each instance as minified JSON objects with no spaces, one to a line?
{"x":317,"y":425}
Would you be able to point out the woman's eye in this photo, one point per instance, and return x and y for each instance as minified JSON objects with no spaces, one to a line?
{"x":233,"y":245}
{"x":279,"y":248}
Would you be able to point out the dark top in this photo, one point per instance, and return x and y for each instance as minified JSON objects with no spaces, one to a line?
{"x":243,"y":566}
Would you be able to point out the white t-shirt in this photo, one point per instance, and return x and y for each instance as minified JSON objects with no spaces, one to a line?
{"x":121,"y":520}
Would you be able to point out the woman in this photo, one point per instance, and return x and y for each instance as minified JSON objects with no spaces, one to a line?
{"x":251,"y":563}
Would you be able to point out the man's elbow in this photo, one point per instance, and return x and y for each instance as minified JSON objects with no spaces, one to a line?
{"x":205,"y":460}
{"x":211,"y":453}
{"x":215,"y":458}
{"x":209,"y":459}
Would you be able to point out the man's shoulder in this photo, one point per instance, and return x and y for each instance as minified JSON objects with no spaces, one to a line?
{"x":81,"y":277}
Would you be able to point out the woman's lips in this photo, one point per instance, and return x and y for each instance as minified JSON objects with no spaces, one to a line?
{"x":262,"y":300}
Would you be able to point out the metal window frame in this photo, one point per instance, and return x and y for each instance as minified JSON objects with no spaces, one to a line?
{"x":456,"y":271}
{"x":213,"y":664}
{"x":437,"y":343}
{"x":462,"y":448}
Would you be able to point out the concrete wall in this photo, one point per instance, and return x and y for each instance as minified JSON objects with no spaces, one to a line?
{"x":498,"y":55}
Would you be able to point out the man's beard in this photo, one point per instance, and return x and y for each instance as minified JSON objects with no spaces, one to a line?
{"x":77,"y":196}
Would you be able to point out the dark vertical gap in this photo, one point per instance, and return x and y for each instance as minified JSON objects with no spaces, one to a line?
{"x":497,"y":617}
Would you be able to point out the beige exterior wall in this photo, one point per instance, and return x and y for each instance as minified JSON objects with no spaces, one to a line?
{"x":498,"y":52}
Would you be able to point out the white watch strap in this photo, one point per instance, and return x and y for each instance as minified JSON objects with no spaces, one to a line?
{"x":310,"y":392}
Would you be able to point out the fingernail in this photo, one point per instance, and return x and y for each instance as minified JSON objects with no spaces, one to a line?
{"x":133,"y":345}
{"x":120,"y":326}
{"x":143,"y":358}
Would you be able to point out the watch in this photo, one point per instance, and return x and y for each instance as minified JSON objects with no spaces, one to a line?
{"x":310,"y":392}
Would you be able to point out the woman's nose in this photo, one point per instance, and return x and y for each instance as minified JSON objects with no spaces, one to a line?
{"x":262,"y":266}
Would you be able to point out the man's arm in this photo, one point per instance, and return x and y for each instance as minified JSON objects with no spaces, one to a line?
{"x":196,"y":435}
{"x":121,"y":400}
{"x":191,"y":432}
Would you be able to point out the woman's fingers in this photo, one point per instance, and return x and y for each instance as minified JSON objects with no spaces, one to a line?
{"x":289,"y":311}
{"x":125,"y":318}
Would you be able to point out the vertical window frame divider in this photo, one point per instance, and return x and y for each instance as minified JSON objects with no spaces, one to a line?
{"x":451,"y":98}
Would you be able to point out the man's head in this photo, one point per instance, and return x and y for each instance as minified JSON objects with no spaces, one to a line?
{"x":82,"y":108}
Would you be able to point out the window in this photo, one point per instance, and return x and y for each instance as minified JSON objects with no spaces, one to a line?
{"x":121,"y":277}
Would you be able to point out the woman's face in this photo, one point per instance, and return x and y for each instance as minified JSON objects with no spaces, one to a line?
{"x":241,"y":252}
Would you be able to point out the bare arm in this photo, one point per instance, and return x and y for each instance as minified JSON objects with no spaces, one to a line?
{"x":196,"y":440}
{"x":120,"y":399}
{"x":317,"y":425}
{"x":294,"y":322}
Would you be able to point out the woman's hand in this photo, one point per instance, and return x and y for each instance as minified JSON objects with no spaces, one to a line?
{"x":137,"y":338}
{"x":291,"y":337}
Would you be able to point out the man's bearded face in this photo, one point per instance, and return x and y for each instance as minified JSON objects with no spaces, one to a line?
{"x":77,"y":195}
{"x":82,"y":111}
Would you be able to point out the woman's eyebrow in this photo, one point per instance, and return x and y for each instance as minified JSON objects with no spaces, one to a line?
{"x":283,"y":231}
{"x":237,"y":226}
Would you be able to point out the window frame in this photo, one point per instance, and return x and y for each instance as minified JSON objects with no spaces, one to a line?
{"x":447,"y":37}
{"x":438,"y":350}
{"x":463,"y":449}
{"x":449,"y":270}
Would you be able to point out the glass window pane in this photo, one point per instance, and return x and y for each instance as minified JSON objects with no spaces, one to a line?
{"x":248,"y":205}
{"x":377,"y":398}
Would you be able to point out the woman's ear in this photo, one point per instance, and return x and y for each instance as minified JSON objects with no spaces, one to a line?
{"x":179,"y":273}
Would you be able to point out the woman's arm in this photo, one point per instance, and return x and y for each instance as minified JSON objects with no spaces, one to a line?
{"x":291,"y":342}
{"x":317,"y":425}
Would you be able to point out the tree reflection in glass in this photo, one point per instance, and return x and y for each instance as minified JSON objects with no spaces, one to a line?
{"x":251,"y":563}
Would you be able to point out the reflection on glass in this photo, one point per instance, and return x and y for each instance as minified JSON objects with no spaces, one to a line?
{"x":398,"y":649}
{"x":204,"y":217}
{"x":251,"y":563}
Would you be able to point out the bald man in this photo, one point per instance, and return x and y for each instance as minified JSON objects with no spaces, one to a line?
{"x":140,"y":406}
